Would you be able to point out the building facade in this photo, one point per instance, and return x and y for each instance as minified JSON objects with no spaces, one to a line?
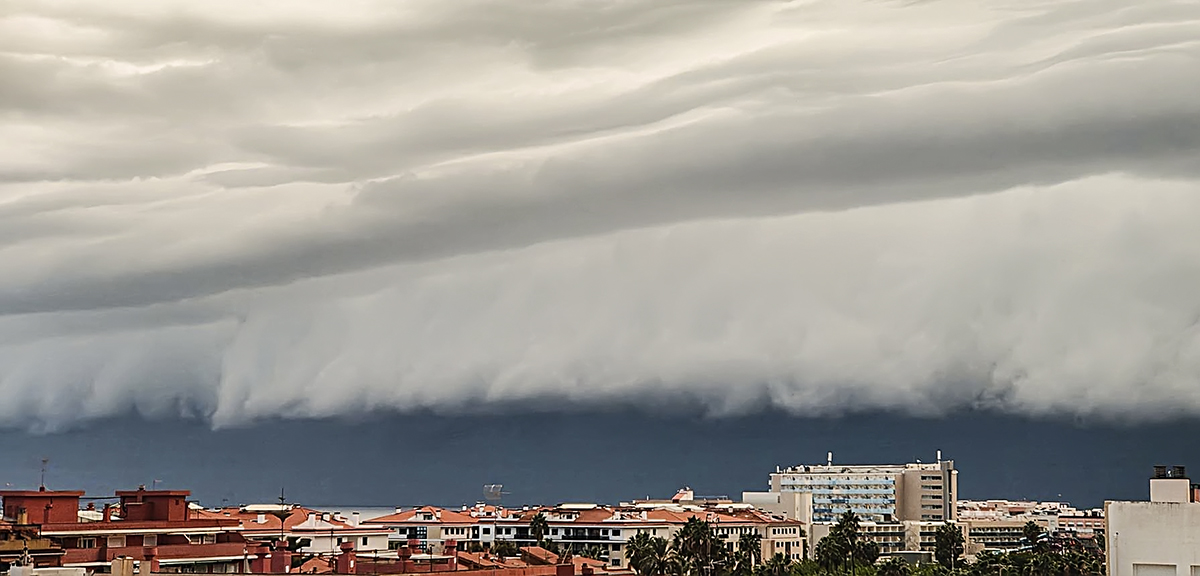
{"x":155,"y":528}
{"x":590,"y":527}
{"x":916,"y":492}
{"x":1160,"y":537}
{"x":899,"y":506}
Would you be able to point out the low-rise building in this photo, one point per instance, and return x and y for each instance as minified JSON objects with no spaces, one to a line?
{"x":604,"y":530}
{"x":154,"y":527}
{"x":313,"y":531}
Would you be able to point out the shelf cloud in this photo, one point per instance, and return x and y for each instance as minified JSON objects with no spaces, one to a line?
{"x":292,"y":209}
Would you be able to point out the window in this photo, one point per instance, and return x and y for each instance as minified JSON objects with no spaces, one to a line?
{"x":87,"y":542}
{"x":615,"y":561}
{"x":1153,"y":569}
{"x":364,"y":540}
{"x":116,"y":541}
{"x":616,"y":532}
{"x":487,"y":530}
{"x":150,"y":540}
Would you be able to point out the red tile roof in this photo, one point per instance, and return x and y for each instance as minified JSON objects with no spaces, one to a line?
{"x":316,"y":565}
{"x":415,"y":516}
{"x":293,"y":523}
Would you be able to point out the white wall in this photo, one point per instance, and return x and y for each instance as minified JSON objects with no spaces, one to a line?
{"x":1153,"y":538}
{"x":793,"y":505}
{"x":1170,"y":490}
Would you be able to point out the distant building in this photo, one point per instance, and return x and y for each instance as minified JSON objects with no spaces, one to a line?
{"x":1000,"y":524}
{"x":583,"y":526}
{"x":916,"y":492}
{"x":1160,"y":537}
{"x":900,"y":506}
{"x":320,"y":532}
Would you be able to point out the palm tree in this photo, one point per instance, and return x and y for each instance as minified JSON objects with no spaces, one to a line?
{"x":842,"y":548}
{"x":538,"y":527}
{"x":892,"y":567}
{"x":948,"y":545}
{"x":1032,"y":534}
{"x":778,"y":565}
{"x":864,"y":553}
{"x":650,"y":555}
{"x":749,"y":552}
{"x":699,"y":551}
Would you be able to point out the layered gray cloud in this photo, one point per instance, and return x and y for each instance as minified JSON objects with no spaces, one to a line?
{"x":297,"y":209}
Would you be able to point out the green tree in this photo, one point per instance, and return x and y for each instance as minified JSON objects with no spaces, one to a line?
{"x":1033,"y":535}
{"x":830,"y":554}
{"x":505,"y":548}
{"x":698,"y":549}
{"x":842,"y":550}
{"x":778,"y":565}
{"x":650,"y":555}
{"x":948,"y":545}
{"x":865,"y":553}
{"x":539,"y":527}
{"x":749,"y":553}
{"x":892,"y":567}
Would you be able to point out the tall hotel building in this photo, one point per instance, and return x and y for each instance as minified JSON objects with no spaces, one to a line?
{"x":916,"y":492}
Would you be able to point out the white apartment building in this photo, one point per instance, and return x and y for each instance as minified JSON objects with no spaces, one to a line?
{"x":1160,"y":537}
{"x":899,"y":505}
{"x":590,"y":526}
{"x":915,"y":492}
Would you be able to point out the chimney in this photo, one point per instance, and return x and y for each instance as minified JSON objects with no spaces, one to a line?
{"x":281,"y":558}
{"x":355,"y":519}
{"x":150,"y":562}
{"x":346,"y":561}
{"x":1178,"y":472}
{"x":939,"y":456}
{"x":1160,"y":472}
{"x":829,"y":459}
{"x":451,"y":549}
{"x":22,"y":515}
{"x":261,"y":518}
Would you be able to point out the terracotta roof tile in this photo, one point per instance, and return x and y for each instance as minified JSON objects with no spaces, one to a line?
{"x":413,"y":516}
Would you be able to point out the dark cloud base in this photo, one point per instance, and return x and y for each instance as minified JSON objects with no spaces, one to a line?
{"x":385,"y":460}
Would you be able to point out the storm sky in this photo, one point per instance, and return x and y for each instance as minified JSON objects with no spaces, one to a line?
{"x":234,"y":210}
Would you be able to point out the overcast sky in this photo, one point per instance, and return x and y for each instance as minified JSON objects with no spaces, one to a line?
{"x":235,"y":210}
